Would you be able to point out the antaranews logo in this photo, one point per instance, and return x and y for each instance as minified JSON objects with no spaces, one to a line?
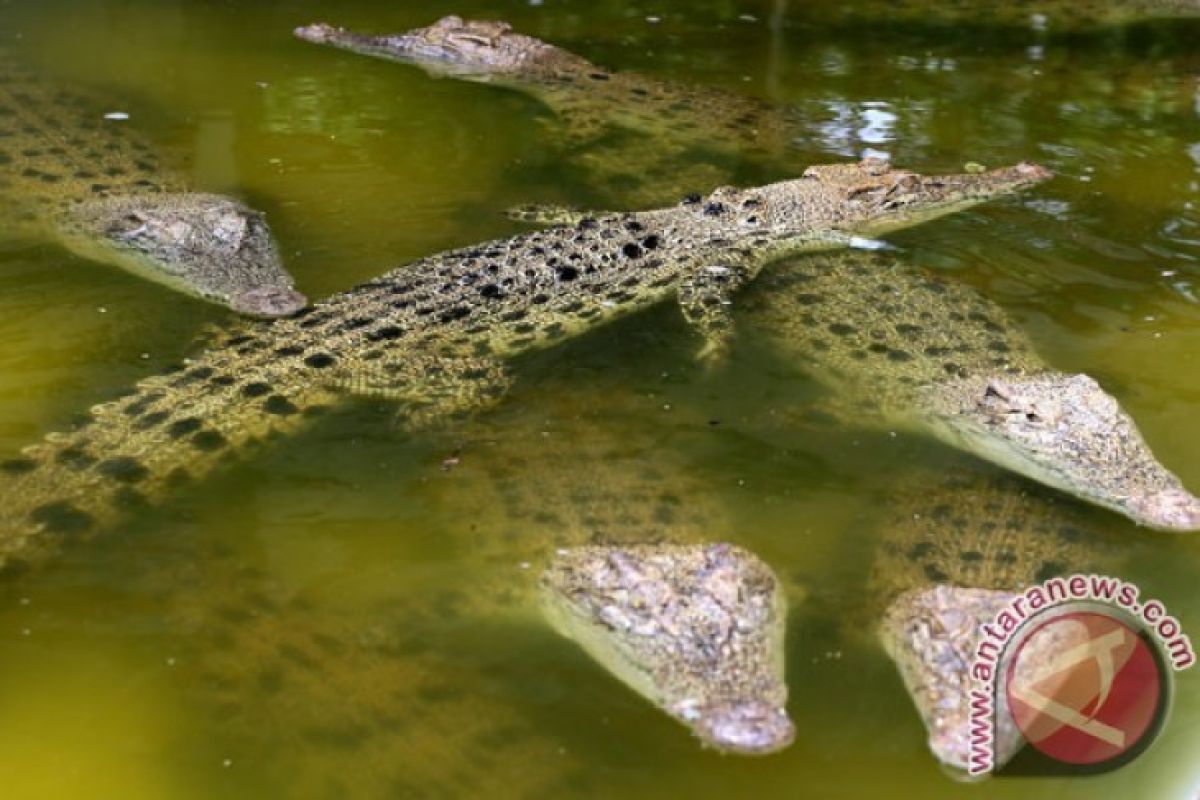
{"x":1078,"y":669}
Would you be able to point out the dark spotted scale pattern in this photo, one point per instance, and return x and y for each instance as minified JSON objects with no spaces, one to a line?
{"x":57,"y":149}
{"x":640,"y":134}
{"x":982,"y":529}
{"x":952,"y":554}
{"x":374,"y":703}
{"x":880,"y":331}
{"x":392,"y":695}
{"x":432,"y":335}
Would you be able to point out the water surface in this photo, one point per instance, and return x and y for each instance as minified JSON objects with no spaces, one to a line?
{"x":112,"y":659}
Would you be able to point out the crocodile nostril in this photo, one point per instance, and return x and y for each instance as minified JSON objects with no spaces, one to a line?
{"x":751,"y":727}
{"x":1169,"y":509}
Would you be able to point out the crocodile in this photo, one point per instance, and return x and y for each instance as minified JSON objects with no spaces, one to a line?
{"x":416,"y":684}
{"x":433,"y":336}
{"x":948,"y":560}
{"x":421,"y":682}
{"x":93,"y":185}
{"x":681,"y":124}
{"x":902,"y":348}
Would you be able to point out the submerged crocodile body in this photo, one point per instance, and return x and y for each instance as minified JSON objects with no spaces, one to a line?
{"x":285,"y":677}
{"x":591,"y":103}
{"x":625,"y":545}
{"x":434,"y":335}
{"x":421,"y":684}
{"x":94,"y":186}
{"x":902,"y":348}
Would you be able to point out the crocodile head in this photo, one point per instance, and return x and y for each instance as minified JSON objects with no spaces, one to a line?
{"x":871,"y":198}
{"x":453,"y":46}
{"x":697,"y":630}
{"x":1067,"y":432}
{"x":201,"y":244}
{"x":932,"y":635}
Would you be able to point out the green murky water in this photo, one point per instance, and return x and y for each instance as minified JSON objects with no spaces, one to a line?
{"x":114,"y":663}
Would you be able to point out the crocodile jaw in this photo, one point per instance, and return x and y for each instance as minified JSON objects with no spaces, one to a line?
{"x":1066,"y":432}
{"x":868,"y":198}
{"x":697,"y":630}
{"x":920,"y":198}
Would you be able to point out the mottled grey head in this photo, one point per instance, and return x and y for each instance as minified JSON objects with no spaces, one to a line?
{"x":1067,"y":432}
{"x":451,"y":46}
{"x":863,"y":199}
{"x":201,"y":244}
{"x":931,"y":634}
{"x":697,"y":630}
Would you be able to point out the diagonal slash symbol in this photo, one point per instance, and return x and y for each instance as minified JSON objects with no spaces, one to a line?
{"x":1099,"y":649}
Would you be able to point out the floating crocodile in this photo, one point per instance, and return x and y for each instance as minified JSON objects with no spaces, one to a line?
{"x":433,"y":335}
{"x":588,"y":98}
{"x":96,"y":187}
{"x":949,"y":560}
{"x":419,"y":684}
{"x":682,"y":136}
{"x":591,"y":102}
{"x":904,"y":348}
{"x":907,"y":349}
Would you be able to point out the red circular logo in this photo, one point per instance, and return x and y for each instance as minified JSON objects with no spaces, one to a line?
{"x":1084,"y":688}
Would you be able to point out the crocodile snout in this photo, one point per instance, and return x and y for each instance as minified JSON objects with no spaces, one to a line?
{"x":268,"y":301}
{"x":317,"y":33}
{"x":752,"y":727}
{"x":1033,"y":172}
{"x":1169,"y":510}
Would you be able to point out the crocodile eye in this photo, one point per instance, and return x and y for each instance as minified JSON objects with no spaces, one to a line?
{"x":1032,"y":416}
{"x":129,"y":225}
{"x":471,"y":38}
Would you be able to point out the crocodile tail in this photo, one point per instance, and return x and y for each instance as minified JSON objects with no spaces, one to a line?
{"x":135,"y":450}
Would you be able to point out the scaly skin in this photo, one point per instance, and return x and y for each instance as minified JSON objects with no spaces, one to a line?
{"x":324,"y":703}
{"x":698,"y":630}
{"x":589,"y":100}
{"x":410,"y":689}
{"x":435,"y":333}
{"x":907,"y":349}
{"x":948,"y":561}
{"x":625,"y":545}
{"x":96,"y":187}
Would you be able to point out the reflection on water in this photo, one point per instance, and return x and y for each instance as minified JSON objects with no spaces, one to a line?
{"x":861,"y":132}
{"x":126,"y":667}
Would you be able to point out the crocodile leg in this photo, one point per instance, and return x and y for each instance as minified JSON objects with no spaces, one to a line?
{"x":705,"y":300}
{"x":429,"y":390}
